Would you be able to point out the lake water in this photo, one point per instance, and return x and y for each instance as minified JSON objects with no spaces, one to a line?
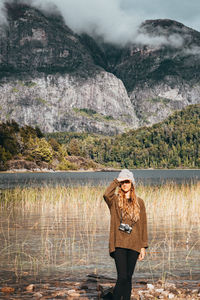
{"x":70,"y":237}
{"x":10,"y":180}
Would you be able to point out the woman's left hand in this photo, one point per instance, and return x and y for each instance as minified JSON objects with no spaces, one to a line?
{"x":142,"y":254}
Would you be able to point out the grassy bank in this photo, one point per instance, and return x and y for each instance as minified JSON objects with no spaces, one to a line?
{"x":62,"y":228}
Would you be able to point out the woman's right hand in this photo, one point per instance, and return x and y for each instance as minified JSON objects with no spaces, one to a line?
{"x":142,"y":254}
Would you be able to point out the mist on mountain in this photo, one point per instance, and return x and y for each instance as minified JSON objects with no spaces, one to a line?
{"x":114,"y":21}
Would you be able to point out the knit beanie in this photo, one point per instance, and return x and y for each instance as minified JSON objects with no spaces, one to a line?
{"x":125,"y":174}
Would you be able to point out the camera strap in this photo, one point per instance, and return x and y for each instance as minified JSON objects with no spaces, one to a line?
{"x":121,"y":219}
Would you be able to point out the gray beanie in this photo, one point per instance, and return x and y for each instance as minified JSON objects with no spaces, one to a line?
{"x":125,"y":174}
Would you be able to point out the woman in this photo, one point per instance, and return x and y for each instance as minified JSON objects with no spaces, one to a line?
{"x":128,"y":231}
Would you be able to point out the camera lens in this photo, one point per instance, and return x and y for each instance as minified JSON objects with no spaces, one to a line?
{"x":126,"y":227}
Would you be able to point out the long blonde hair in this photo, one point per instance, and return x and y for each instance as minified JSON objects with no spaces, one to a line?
{"x":128,"y":207}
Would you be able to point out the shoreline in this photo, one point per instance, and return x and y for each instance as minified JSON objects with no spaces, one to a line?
{"x":94,"y":286}
{"x":16,"y":171}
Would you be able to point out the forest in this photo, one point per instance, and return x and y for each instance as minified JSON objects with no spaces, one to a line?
{"x":29,"y":144}
{"x":173,"y":143}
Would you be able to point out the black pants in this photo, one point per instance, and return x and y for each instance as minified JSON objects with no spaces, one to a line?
{"x":125,"y":261}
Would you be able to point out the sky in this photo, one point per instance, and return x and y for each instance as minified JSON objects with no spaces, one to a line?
{"x":117,"y":21}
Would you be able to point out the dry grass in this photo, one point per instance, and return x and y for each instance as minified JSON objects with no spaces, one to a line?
{"x":175,"y":201}
{"x":60,"y":227}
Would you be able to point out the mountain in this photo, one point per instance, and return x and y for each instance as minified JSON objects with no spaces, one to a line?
{"x":161,"y":77}
{"x":60,"y":81}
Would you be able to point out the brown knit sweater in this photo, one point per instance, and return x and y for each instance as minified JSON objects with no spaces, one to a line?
{"x":137,"y":239}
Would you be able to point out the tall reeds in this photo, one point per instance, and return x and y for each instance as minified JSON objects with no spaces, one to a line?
{"x":66,"y":228}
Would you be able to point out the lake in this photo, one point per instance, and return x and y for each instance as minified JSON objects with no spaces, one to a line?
{"x":145,"y":177}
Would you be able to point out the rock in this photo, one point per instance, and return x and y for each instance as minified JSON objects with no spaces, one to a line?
{"x":150,"y":286}
{"x":74,"y":294}
{"x":149,"y":296}
{"x":141,"y":296}
{"x":46,"y":286}
{"x":71,"y":291}
{"x":62,"y":293}
{"x":104,"y":108}
{"x":102,"y":289}
{"x":159,"y":290}
{"x":170,"y":285}
{"x":38,"y":295}
{"x":30,"y":287}
{"x":84,"y":286}
{"x":165,"y":293}
{"x":7,"y":290}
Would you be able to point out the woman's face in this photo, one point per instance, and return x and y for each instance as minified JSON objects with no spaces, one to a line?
{"x":126,"y":185}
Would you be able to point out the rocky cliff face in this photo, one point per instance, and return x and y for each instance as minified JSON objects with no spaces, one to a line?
{"x":160,"y":77}
{"x":59,"y":81}
{"x":63,"y":103}
{"x":49,"y":78}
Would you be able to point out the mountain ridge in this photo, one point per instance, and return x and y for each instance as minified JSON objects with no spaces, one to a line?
{"x":49,"y":74}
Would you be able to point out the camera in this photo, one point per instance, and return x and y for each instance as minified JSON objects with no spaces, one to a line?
{"x":125,"y":227}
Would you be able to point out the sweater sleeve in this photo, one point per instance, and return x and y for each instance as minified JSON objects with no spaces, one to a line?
{"x":144,"y":237}
{"x":109,"y":194}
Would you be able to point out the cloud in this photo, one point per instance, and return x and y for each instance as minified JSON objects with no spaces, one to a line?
{"x":110,"y":20}
{"x":117,"y":21}
{"x":101,"y":18}
{"x":195,"y":50}
{"x":2,"y":13}
{"x":174,"y":40}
